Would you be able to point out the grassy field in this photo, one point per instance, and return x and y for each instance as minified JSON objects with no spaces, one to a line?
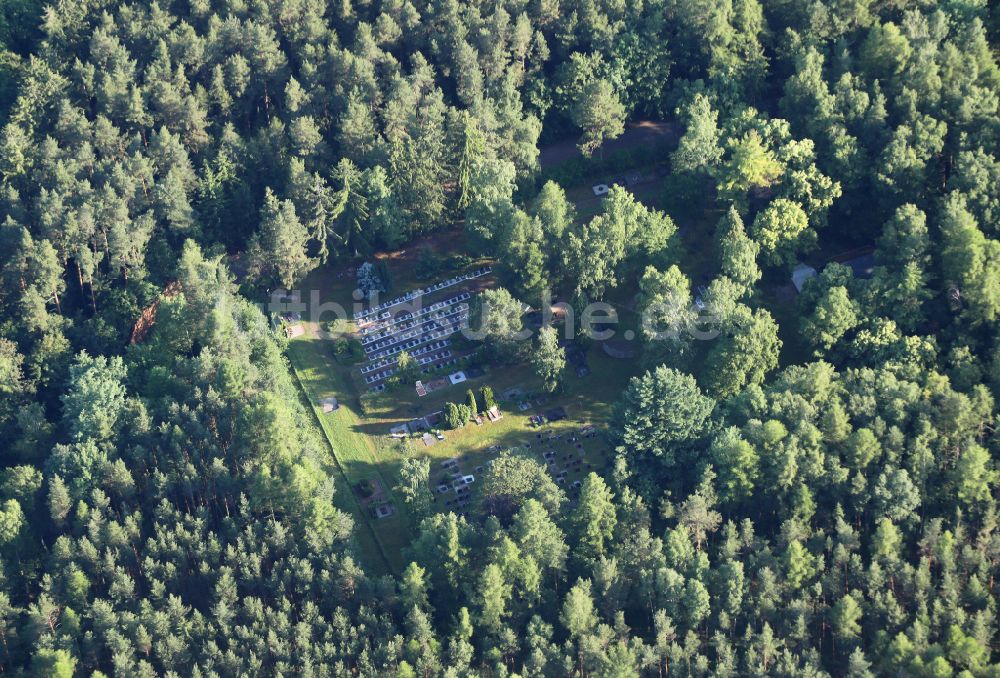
{"x":586,"y":400}
{"x":381,"y":540}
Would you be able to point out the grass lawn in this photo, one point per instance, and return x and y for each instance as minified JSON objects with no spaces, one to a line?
{"x":353,"y":451}
{"x":586,"y":400}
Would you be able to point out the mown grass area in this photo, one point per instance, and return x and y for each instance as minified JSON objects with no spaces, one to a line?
{"x":586,"y":400}
{"x":355,"y":455}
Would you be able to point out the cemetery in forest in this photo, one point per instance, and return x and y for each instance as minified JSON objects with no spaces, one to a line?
{"x":495,"y":338}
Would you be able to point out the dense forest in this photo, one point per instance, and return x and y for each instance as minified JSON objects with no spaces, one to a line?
{"x":165,"y":505}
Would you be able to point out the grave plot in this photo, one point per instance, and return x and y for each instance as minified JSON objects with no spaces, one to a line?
{"x":373,"y":498}
{"x":383,"y":312}
{"x":448,"y":315}
{"x":569,"y":456}
{"x":423,"y":332}
{"x":452,"y":485}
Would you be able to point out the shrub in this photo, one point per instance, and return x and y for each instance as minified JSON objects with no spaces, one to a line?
{"x":356,"y":349}
{"x":486,"y":395}
{"x":452,"y":416}
{"x":456,"y":416}
{"x":366,"y":488}
{"x":428,"y":264}
{"x":458,"y":262}
{"x":384,"y":275}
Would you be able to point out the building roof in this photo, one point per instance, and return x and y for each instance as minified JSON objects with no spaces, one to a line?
{"x":801,"y":274}
{"x":862,"y":266}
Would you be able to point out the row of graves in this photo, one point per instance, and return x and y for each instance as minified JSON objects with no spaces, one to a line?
{"x":454,"y":486}
{"x":404,"y":324}
{"x":564,"y":455}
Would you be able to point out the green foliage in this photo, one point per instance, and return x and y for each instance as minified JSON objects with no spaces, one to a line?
{"x":281,"y":245}
{"x":782,"y":230}
{"x":366,"y":488}
{"x":591,"y":101}
{"x":490,"y":201}
{"x":456,"y":416}
{"x":523,"y":254}
{"x":737,"y":464}
{"x":579,"y":169}
{"x":667,"y":310}
{"x":607,"y":248}
{"x":414,"y":485}
{"x":166,"y":507}
{"x":599,"y":113}
{"x":659,"y":412}
{"x":747,"y":350}
{"x":748,"y":164}
{"x":406,"y":367}
{"x":549,"y":359}
{"x":737,"y":252}
{"x":11,"y":521}
{"x":495,"y":319}
{"x":486,"y":398}
{"x":594,"y":519}
{"x":970,"y":260}
{"x":96,"y":397}
{"x":53,"y":664}
{"x":835,"y":313}
{"x":511,"y":480}
{"x":699,"y":148}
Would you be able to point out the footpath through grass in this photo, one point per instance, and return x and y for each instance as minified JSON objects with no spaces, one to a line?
{"x":381,"y":540}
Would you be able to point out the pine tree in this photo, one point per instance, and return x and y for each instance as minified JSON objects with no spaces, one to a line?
{"x":282,"y":241}
{"x":594,"y":519}
{"x":549,"y":359}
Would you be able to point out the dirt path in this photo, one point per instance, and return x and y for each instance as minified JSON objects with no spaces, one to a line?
{"x":639,"y":133}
